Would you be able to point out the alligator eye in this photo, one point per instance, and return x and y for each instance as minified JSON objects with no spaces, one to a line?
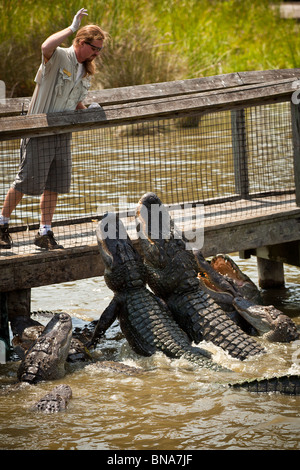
{"x":63,"y":317}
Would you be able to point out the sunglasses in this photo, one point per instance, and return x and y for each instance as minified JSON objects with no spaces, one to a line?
{"x":94,"y":48}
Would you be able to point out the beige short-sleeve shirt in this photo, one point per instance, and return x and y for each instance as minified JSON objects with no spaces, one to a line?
{"x":57,"y":87}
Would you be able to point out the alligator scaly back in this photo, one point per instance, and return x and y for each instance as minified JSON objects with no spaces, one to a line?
{"x":144,"y":319}
{"x":172,"y":274}
{"x":54,"y":401}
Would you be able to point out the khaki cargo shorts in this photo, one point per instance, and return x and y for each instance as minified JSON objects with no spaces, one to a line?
{"x":46,"y":163}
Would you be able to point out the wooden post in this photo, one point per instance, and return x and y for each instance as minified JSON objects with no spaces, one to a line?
{"x":295,"y":113}
{"x":240,"y":153}
{"x":4,"y":329}
{"x":18,"y":303}
{"x":270,"y":273}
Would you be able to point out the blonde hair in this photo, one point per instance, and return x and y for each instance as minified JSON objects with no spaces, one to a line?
{"x":89,"y":33}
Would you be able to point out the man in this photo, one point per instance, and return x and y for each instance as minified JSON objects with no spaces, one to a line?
{"x":62,"y":83}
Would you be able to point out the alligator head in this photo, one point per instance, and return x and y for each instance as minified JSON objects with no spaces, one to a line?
{"x":243,"y":285}
{"x":45,"y":359}
{"x":123,"y":265}
{"x":163,"y":247}
{"x":155,"y":226}
{"x":267,"y":320}
{"x":214,"y":283}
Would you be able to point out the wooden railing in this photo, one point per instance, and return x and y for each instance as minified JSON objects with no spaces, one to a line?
{"x":185,"y":98}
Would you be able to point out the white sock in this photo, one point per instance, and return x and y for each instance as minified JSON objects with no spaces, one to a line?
{"x":44,"y":229}
{"x":4,"y":220}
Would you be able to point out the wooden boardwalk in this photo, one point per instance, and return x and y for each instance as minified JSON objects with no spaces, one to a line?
{"x":213,"y":217}
{"x":248,"y":225}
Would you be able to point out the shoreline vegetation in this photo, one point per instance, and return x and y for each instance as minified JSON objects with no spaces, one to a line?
{"x":152,"y":41}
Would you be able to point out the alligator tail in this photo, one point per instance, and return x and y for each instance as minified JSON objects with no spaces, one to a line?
{"x":196,"y":358}
{"x":285,"y":384}
{"x":195,"y":355}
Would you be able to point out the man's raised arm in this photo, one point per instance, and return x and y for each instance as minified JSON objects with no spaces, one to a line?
{"x":55,"y":40}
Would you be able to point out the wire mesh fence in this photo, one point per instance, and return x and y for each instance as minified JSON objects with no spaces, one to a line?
{"x":238,"y":164}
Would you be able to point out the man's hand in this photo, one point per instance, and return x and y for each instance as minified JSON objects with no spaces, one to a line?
{"x":77,"y":19}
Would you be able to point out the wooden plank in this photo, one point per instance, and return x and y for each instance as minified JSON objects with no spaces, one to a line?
{"x":240,"y":152}
{"x":190,"y":86}
{"x":230,"y":238}
{"x":164,"y":89}
{"x":140,"y":92}
{"x":185,"y":105}
{"x":14,"y":106}
{"x":263,"y":76}
{"x":28,"y":271}
{"x":289,"y":10}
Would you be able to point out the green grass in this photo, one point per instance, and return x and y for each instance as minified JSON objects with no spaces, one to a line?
{"x":153,"y":40}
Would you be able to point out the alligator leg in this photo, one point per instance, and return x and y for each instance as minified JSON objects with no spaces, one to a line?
{"x":105,"y":321}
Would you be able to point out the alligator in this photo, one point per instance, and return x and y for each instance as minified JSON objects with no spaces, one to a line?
{"x":219,"y":287}
{"x":224,"y":265}
{"x":118,"y":367}
{"x":26,"y":331}
{"x":266,"y":321}
{"x":172,"y":274}
{"x":45,"y":359}
{"x":222,"y":279}
{"x":145,"y":320}
{"x":269,"y":322}
{"x":23,"y":341}
{"x":54,"y":401}
{"x":58,"y":398}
